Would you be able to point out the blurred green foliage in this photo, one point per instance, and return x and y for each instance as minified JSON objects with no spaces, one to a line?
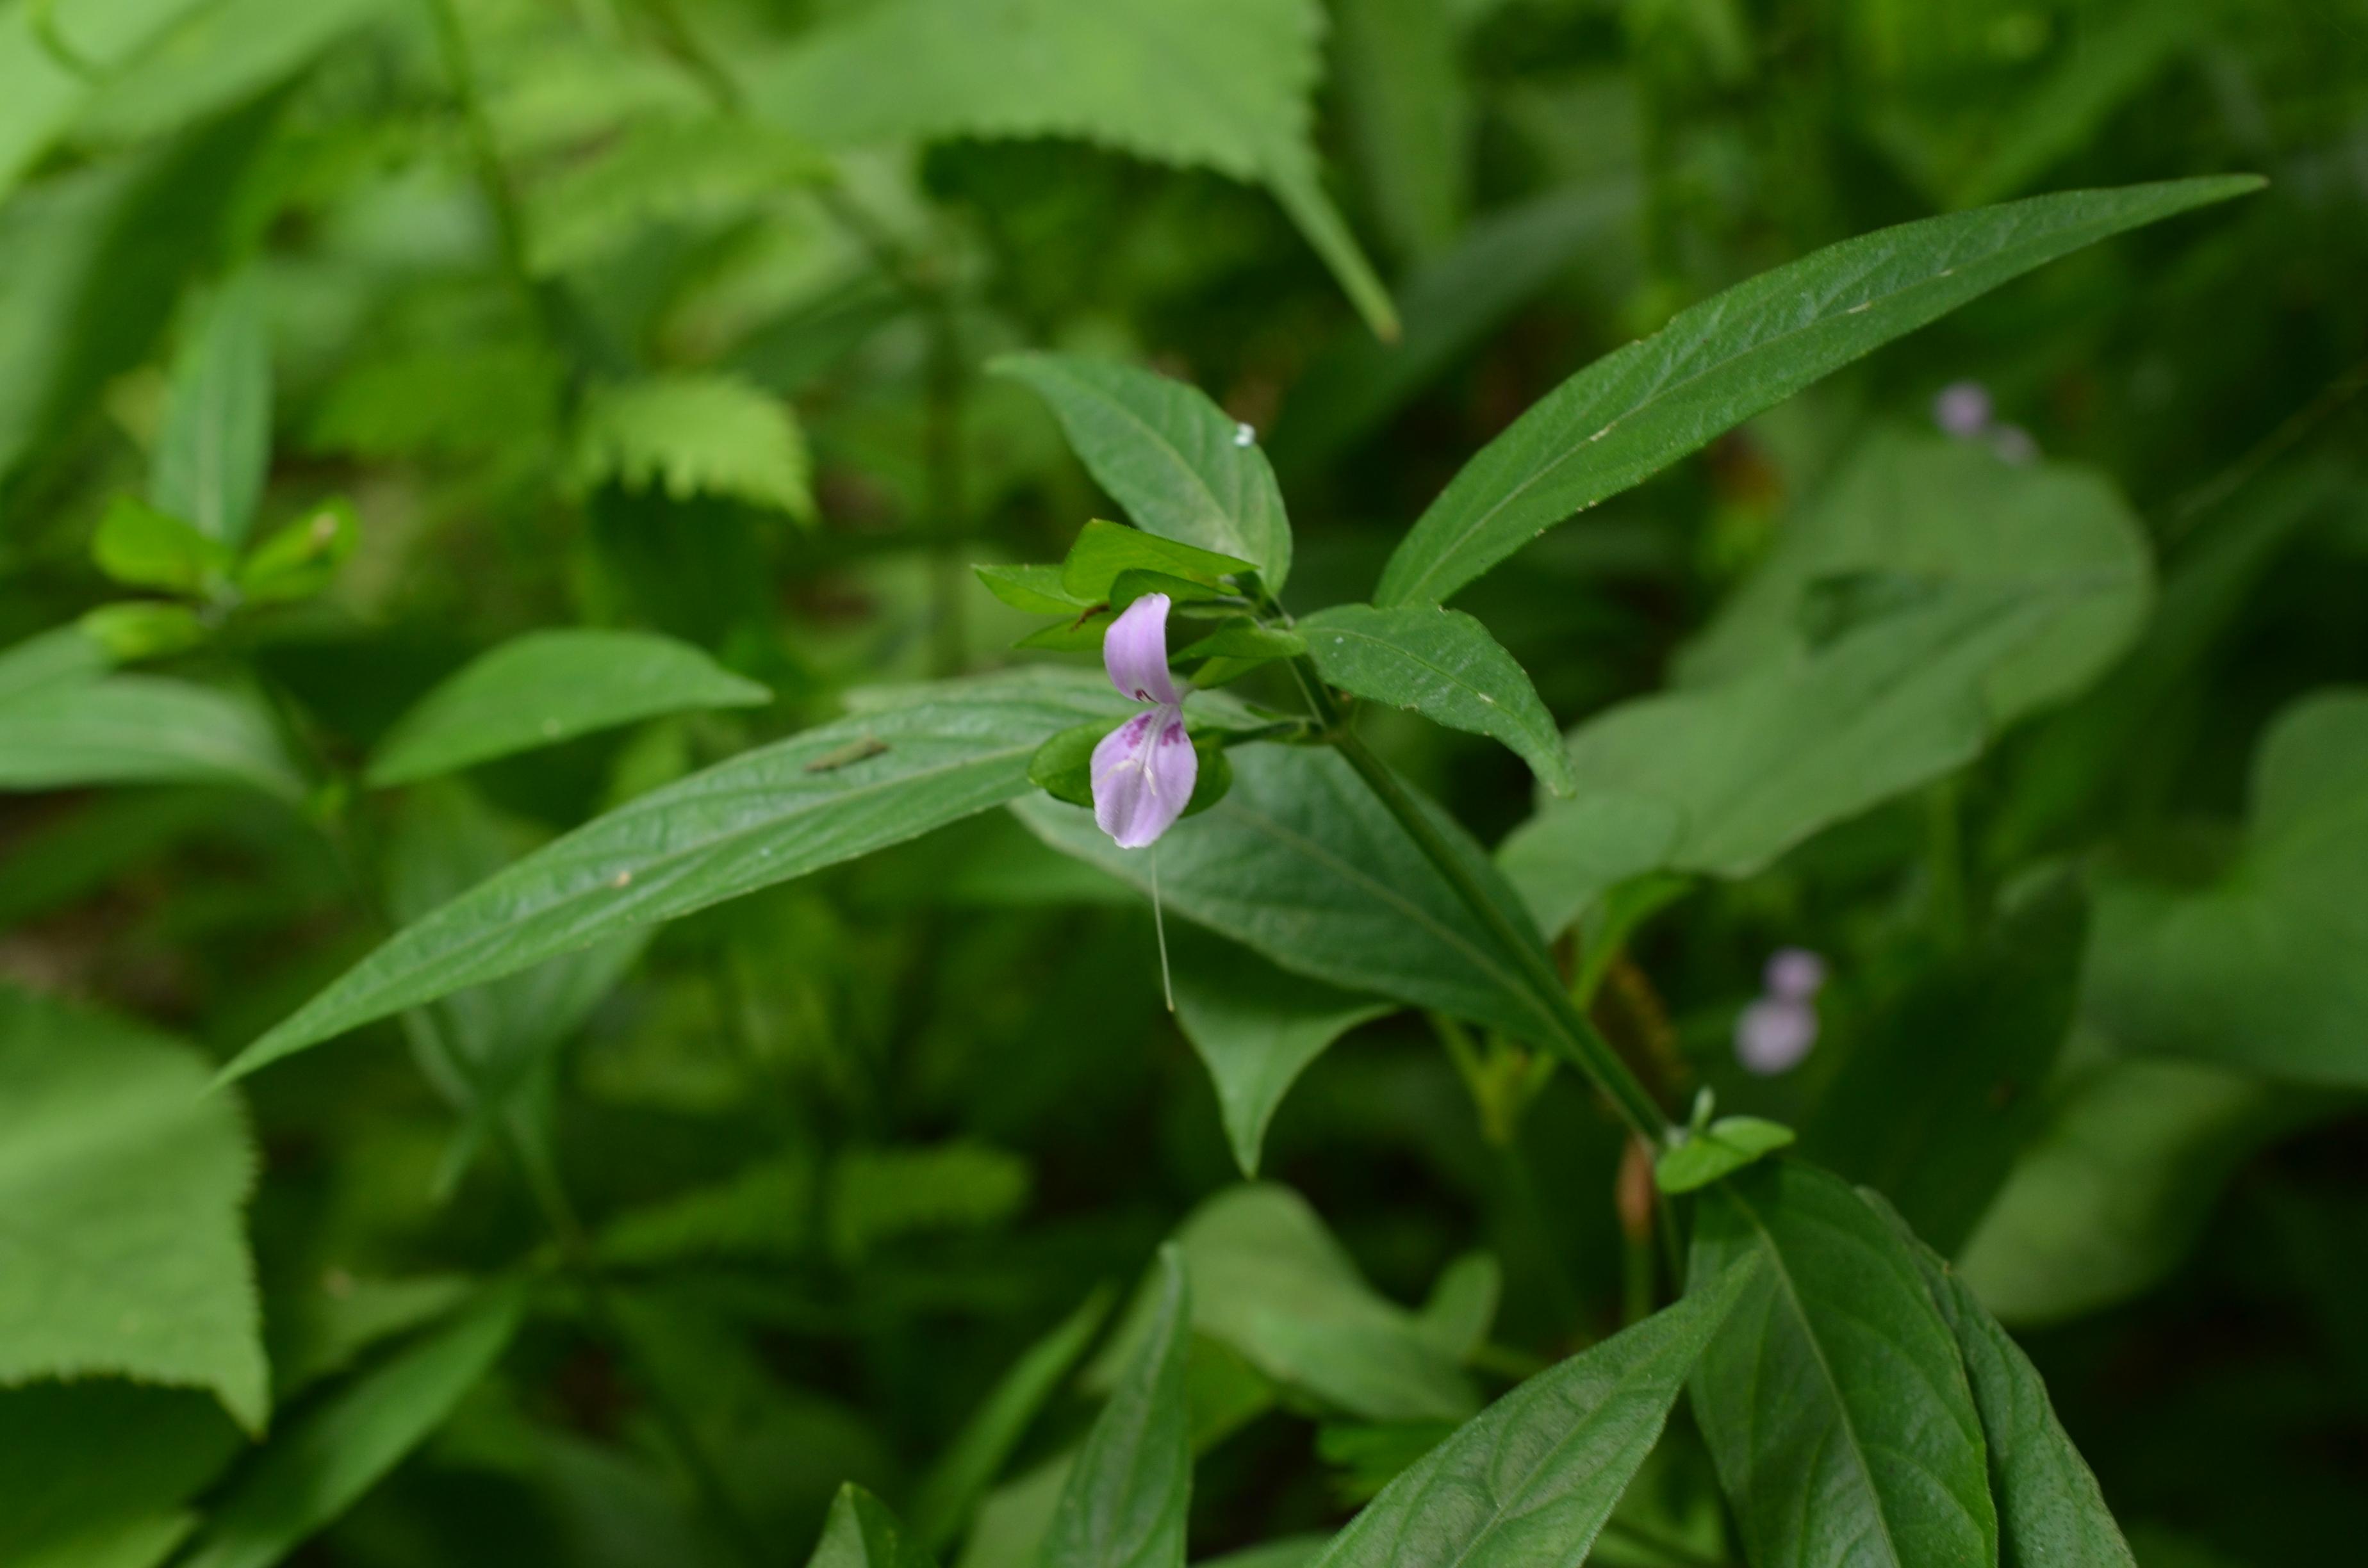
{"x":672,"y":316}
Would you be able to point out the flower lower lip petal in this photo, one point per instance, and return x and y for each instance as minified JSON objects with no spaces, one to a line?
{"x":1143,"y":776}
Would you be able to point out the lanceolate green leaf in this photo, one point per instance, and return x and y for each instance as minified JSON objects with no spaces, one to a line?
{"x":96,"y":1473}
{"x":969,"y":1465}
{"x":1270,"y":1283}
{"x":45,"y":93}
{"x":2117,"y":1185}
{"x":548,"y":687}
{"x":61,"y":658}
{"x":1834,"y":1402}
{"x":1719,"y":1149}
{"x":1462,"y":1304}
{"x":1727,"y":778}
{"x":484,"y":1047}
{"x":140,"y":730}
{"x":1566,"y":857}
{"x":1640,"y":408}
{"x":1124,"y":1502}
{"x":862,"y":1533}
{"x":219,"y":55}
{"x":122,"y":1183}
{"x":91,"y":262}
{"x":1172,"y":458}
{"x":1106,"y":552}
{"x":870,"y":780}
{"x":1444,"y":666}
{"x":1529,"y":1481}
{"x":215,"y":448}
{"x":317,"y":1466}
{"x":1300,"y":862}
{"x":2051,"y":1514}
{"x":1923,"y":510}
{"x":1256,"y":1028}
{"x":1408,"y":115}
{"x":138,"y":545}
{"x":667,"y":169}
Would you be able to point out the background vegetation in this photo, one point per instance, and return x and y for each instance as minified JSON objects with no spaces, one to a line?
{"x":674,"y":316}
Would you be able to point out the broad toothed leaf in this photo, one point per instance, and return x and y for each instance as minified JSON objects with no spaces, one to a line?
{"x":124,"y":1250}
{"x":1209,"y":84}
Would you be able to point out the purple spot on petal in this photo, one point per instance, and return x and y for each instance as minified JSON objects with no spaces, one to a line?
{"x":1143,"y":776}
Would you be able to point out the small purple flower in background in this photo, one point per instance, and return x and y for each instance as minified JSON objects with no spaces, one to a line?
{"x":1143,"y":770}
{"x":1963,"y":409}
{"x":2014,"y":445}
{"x":1794,"y":973}
{"x":1774,"y":1034}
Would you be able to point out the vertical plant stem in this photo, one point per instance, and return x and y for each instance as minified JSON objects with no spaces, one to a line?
{"x":1532,"y":1215}
{"x":510,"y":228}
{"x":1501,"y":1129}
{"x":945,"y":385}
{"x":1945,"y":863}
{"x":583,"y":1267}
{"x":1571,"y":1032}
{"x":351,"y":843}
{"x":582,"y":1264}
{"x":945,"y":377}
{"x":949,"y":640}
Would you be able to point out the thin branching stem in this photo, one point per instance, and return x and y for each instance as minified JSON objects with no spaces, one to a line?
{"x":1570,"y":1031}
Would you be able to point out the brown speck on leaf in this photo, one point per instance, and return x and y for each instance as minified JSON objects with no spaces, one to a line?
{"x":852,"y":752}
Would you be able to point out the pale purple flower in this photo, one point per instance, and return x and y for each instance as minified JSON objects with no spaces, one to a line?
{"x":1963,"y":409}
{"x":1794,"y":973}
{"x":2014,"y":445}
{"x":1774,"y":1035}
{"x":1144,"y":770}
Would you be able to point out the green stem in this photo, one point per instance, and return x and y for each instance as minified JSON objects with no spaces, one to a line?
{"x":1464,"y":1052}
{"x":568,"y":333}
{"x":1945,"y":865}
{"x":945,"y":380}
{"x":582,"y":1264}
{"x":357,"y":856}
{"x":1570,"y":1031}
{"x":941,"y":441}
{"x":944,"y":387}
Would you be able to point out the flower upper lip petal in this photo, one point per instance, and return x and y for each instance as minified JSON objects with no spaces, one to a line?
{"x":1144,"y":770}
{"x":1134,"y":652}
